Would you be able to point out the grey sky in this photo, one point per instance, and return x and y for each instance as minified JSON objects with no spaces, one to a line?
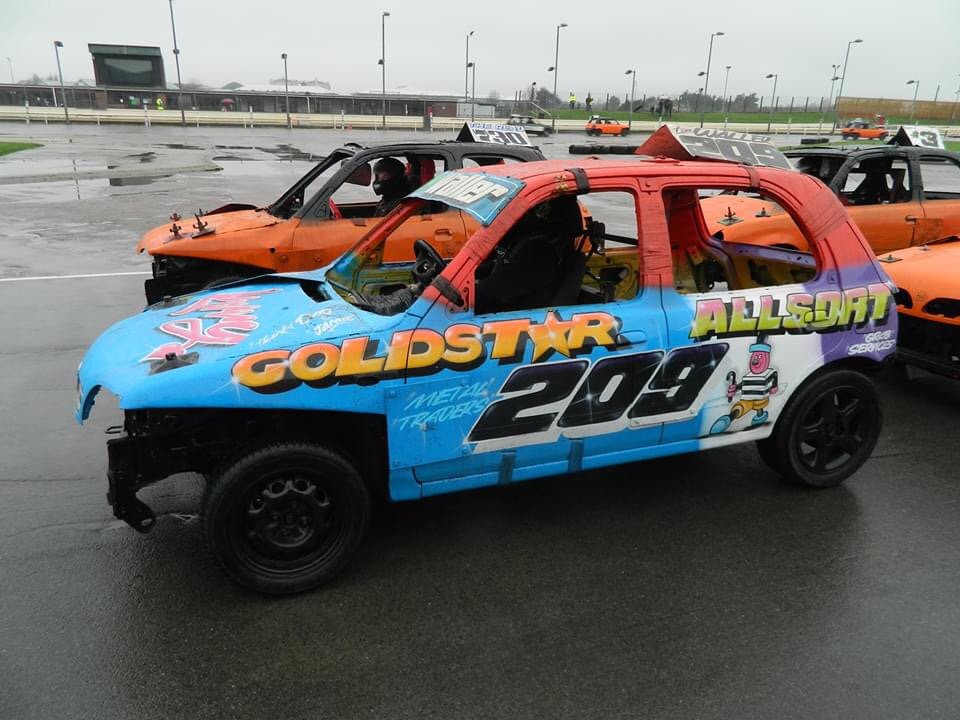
{"x":514,"y":43}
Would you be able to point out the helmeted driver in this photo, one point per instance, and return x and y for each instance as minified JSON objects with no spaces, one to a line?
{"x":390,"y":183}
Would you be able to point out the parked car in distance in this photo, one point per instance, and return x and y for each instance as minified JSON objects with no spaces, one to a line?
{"x":599,"y":125}
{"x":528,"y":123}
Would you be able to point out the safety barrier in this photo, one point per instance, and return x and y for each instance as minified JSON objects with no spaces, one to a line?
{"x":198,"y":118}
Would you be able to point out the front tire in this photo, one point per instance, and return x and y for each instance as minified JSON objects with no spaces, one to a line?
{"x":827,"y":431}
{"x":286,"y":517}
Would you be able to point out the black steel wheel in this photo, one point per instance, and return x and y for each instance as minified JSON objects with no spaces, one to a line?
{"x":286,"y":517}
{"x":827,"y":431}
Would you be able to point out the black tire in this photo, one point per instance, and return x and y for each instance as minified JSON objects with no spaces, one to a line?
{"x":624,"y":133}
{"x":827,"y":431}
{"x":286,"y":517}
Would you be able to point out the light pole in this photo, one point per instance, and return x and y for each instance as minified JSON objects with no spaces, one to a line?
{"x":383,"y":66}
{"x":556,"y":62}
{"x":726,"y":80}
{"x":286,"y":89}
{"x":699,"y":92}
{"x":533,"y":92}
{"x":63,"y":92}
{"x":956,"y":101}
{"x":773,"y":98}
{"x":176,"y":57}
{"x":10,"y":63}
{"x":706,"y":80}
{"x":633,"y":88}
{"x":833,"y":81}
{"x":473,"y":95}
{"x":913,"y":108}
{"x":843,"y":77}
{"x":467,"y":69}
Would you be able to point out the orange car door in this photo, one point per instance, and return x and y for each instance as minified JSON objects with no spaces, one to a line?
{"x":318,"y":241}
{"x":941,"y":198}
{"x":885,"y":206}
{"x":444,"y":230}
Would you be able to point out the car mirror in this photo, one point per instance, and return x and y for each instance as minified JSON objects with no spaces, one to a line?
{"x":363,"y":175}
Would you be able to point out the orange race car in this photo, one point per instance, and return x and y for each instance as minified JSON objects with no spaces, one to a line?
{"x":860,"y":129}
{"x":315,"y":221}
{"x":928,"y":301}
{"x":898,"y":196}
{"x":598,"y":125}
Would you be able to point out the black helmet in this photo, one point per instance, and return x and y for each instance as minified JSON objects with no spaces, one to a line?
{"x":388,"y":178}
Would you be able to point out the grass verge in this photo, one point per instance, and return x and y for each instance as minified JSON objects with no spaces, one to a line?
{"x":11,"y":147}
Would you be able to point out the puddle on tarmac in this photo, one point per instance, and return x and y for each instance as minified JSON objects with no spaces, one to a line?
{"x":179,"y":146}
{"x":281,"y":152}
{"x":70,"y":190}
{"x":144,"y":157}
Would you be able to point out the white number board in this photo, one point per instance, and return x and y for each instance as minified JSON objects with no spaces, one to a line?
{"x":494,"y":133}
{"x":687,"y":143}
{"x":920,"y":135}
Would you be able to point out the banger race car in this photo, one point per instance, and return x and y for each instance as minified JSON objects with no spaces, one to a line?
{"x":898,"y":196}
{"x":928,"y":301}
{"x":309,"y":225}
{"x":861,"y":129}
{"x":299,"y":396}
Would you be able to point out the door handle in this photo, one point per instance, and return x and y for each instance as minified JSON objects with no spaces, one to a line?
{"x":911,"y":218}
{"x":443,"y":231}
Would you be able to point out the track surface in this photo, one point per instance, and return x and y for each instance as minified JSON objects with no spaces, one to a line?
{"x":694,"y":587}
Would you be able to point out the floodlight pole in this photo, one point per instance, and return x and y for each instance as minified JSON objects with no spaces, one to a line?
{"x":913,"y":108}
{"x":843,"y":77}
{"x":63,"y":92}
{"x":556,"y":61}
{"x":466,"y":69}
{"x":383,"y":66}
{"x":773,"y":98}
{"x":473,"y":95}
{"x":706,"y":80}
{"x":726,"y":80}
{"x":633,"y":88}
{"x":286,"y":90}
{"x":176,"y":57}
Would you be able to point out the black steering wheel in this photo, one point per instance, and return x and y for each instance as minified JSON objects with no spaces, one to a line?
{"x":428,"y":263}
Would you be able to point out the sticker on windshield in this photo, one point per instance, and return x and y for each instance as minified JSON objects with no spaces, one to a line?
{"x":483,"y":196}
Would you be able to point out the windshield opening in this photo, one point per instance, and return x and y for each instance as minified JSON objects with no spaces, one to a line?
{"x":289,"y":204}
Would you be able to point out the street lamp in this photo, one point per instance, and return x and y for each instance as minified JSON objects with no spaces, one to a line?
{"x":63,"y":92}
{"x":843,"y":77}
{"x":176,"y":56}
{"x":956,"y":101}
{"x":286,"y":89}
{"x":556,"y":62}
{"x":633,"y":87}
{"x":913,"y":108}
{"x":467,"y":69}
{"x":533,"y":91}
{"x":773,"y":98}
{"x":383,"y":65}
{"x":833,"y":81}
{"x":10,"y":63}
{"x":699,"y":92}
{"x":726,"y":80}
{"x":706,"y":80}
{"x":473,"y":95}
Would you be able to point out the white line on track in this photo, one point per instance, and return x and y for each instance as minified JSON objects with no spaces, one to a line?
{"x":74,"y":277}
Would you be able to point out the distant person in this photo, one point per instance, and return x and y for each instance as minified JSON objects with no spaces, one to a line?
{"x":390,"y":183}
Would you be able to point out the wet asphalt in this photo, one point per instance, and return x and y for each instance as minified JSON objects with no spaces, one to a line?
{"x":699,"y":586}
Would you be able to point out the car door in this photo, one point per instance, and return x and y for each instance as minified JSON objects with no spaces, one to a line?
{"x":888,"y":218}
{"x":940,"y":190}
{"x":529,"y":391}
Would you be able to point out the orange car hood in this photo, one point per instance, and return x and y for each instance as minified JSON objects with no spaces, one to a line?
{"x":220,"y":223}
{"x":932,"y":270}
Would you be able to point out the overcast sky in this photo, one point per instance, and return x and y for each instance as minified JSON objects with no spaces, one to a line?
{"x":666,"y":42}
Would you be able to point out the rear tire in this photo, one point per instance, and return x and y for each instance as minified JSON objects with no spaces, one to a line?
{"x":827,"y":431}
{"x":286,"y":517}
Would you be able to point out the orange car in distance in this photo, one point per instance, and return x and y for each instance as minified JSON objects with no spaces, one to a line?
{"x":598,"y":125}
{"x":860,"y":129}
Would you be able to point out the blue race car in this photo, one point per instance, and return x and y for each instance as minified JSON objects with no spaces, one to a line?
{"x":537,"y":350}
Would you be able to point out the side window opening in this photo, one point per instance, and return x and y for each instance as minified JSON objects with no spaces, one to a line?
{"x":472,"y":161}
{"x":875,"y":181}
{"x":561,"y":252}
{"x":941,"y":178}
{"x":711,"y":263}
{"x":376,"y":187}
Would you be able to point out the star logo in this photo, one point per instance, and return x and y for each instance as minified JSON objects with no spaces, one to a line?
{"x":550,"y":335}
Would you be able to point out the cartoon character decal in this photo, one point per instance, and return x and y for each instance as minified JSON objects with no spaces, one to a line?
{"x":755,"y":388}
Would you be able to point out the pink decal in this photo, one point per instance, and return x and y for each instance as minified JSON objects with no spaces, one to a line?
{"x":234,"y":319}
